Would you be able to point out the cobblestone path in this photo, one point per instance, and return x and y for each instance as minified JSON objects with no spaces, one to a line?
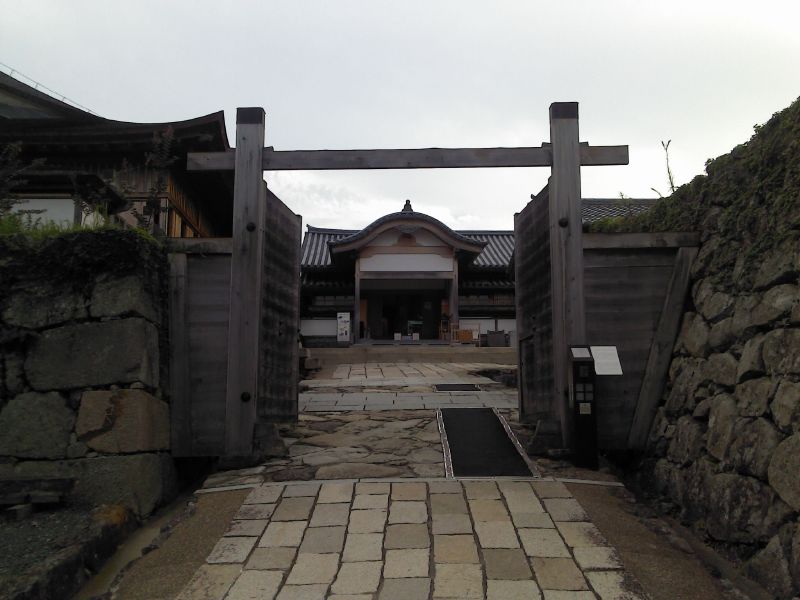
{"x":405,"y":540}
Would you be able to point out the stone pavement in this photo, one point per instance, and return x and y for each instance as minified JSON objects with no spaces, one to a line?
{"x":403,"y":386}
{"x":404,"y":540}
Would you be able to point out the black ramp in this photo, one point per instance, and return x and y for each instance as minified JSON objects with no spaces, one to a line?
{"x":479,"y":445}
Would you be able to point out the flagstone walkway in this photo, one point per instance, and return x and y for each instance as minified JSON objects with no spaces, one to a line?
{"x":406,"y":540}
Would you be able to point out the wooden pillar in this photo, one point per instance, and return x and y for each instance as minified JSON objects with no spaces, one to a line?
{"x":246,"y":276}
{"x":566,"y":250}
{"x":454,"y":294}
{"x":356,"y":325}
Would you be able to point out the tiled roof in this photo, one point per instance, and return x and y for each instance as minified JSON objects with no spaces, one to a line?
{"x":499,"y":244}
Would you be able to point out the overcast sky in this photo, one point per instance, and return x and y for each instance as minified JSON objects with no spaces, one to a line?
{"x":406,"y":74}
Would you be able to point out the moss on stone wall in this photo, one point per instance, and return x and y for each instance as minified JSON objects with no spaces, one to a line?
{"x":750,"y":198}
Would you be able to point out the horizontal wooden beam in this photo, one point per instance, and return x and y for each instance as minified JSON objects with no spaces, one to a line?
{"x":641,"y":240}
{"x":200,"y":245}
{"x":423,"y":158}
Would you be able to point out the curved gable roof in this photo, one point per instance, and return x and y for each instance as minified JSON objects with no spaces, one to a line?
{"x":399,"y":220}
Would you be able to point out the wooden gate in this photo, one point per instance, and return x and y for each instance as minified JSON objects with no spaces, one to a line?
{"x":248,"y":369}
{"x":200,"y":292}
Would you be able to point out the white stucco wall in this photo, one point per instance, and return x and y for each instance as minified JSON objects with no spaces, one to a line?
{"x":318,"y":327}
{"x":406,"y":262}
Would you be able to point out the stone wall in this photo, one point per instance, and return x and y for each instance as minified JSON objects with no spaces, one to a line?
{"x":82,"y":353}
{"x":725,"y":445}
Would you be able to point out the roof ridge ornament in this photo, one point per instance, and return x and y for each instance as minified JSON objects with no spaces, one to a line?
{"x":407,"y":207}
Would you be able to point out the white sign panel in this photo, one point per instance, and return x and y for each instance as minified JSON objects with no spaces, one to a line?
{"x":606,"y":360}
{"x":343,"y":327}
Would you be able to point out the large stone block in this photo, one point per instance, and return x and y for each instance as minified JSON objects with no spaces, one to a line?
{"x":751,"y":363}
{"x":753,"y":443}
{"x":95,"y":354}
{"x":781,"y":352}
{"x":688,"y":441}
{"x":779,"y":266}
{"x":13,"y":370}
{"x":794,"y":543}
{"x":36,"y":425}
{"x":775,"y":304}
{"x":43,"y":307}
{"x":123,"y":421}
{"x":123,"y":296}
{"x":694,"y":335}
{"x":753,"y":396}
{"x":140,"y":482}
{"x":770,"y":567}
{"x":687,"y":375}
{"x":741,"y":509}
{"x":742,"y":320}
{"x":784,"y":470}
{"x":721,"y":369}
{"x":721,"y":335}
{"x":786,"y":406}
{"x":721,"y":421}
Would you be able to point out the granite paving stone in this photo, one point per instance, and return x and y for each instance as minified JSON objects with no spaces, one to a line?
{"x":551,"y":489}
{"x":408,"y":535}
{"x":266,"y":559}
{"x":283,"y":533}
{"x":303,"y":592}
{"x":255,"y":585}
{"x":458,"y":581}
{"x":255,"y":511}
{"x":330,"y":514}
{"x":488,"y":510}
{"x":408,"y":588}
{"x":565,"y":509}
{"x":313,"y":568}
{"x":543,"y":542}
{"x":293,"y":509}
{"x":323,"y":540}
{"x":231,"y":550}
{"x":533,"y":520}
{"x":409,"y":491}
{"x":210,"y":582}
{"x":562,"y":595}
{"x":358,"y":578}
{"x":497,"y":534}
{"x":360,"y":547}
{"x":367,"y":521}
{"x":558,"y":574}
{"x":581,"y":534}
{"x":448,"y":504}
{"x":408,"y":512}
{"x":454,"y":549}
{"x":371,"y":501}
{"x":611,"y":585}
{"x":512,"y":590}
{"x":503,"y":563}
{"x":406,"y":563}
{"x":482,"y":490}
{"x":252,"y":527}
{"x":444,"y":487}
{"x":373,"y":488}
{"x":596,"y":557}
{"x":332,"y":493}
{"x":265,"y":494}
{"x":301,"y":489}
{"x":447,"y":524}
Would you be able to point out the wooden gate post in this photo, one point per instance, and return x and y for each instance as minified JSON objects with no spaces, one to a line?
{"x":246,"y":271}
{"x":566,"y":250}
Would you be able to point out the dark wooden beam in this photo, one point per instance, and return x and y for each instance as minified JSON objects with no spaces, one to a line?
{"x":423,"y":158}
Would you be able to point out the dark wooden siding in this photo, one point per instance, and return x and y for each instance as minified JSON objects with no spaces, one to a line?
{"x":625,"y":291}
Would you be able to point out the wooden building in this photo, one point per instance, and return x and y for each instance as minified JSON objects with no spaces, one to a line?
{"x":409,"y":278}
{"x":79,"y":154}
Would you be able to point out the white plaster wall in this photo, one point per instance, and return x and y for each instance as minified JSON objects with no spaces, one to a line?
{"x":506,"y":324}
{"x":407,"y":262}
{"x":317,"y":326}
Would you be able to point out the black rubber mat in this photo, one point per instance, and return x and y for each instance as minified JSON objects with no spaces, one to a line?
{"x":479,"y":445}
{"x":456,"y":387}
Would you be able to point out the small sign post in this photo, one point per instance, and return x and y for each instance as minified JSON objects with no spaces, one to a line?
{"x":343,"y":327}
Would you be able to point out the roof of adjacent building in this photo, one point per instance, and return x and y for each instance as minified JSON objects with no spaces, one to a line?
{"x":499,"y":247}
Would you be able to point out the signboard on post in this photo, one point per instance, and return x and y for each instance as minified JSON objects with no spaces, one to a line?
{"x":343,"y":327}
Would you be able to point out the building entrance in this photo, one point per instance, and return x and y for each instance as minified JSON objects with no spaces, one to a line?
{"x":410,"y":314}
